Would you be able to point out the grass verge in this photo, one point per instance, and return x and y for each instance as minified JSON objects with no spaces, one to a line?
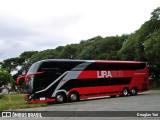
{"x":16,"y":101}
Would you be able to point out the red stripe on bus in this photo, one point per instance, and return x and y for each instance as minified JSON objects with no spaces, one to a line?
{"x":26,"y":77}
{"x":19,"y":78}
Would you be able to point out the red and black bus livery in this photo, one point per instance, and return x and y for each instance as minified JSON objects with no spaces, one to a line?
{"x":59,"y":80}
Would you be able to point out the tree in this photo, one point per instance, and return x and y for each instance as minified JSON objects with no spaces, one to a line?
{"x":5,"y":77}
{"x":87,"y":53}
{"x":69,"y":51}
{"x":133,"y":47}
{"x":10,"y":64}
{"x":127,"y":51}
{"x":108,"y":48}
{"x":152,"y":50}
{"x":100,"y":48}
{"x":156,"y":14}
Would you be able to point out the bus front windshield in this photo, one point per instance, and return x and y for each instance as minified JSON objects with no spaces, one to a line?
{"x":29,"y":84}
{"x":33,"y":68}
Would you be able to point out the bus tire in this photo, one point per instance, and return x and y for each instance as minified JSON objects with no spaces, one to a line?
{"x":74,"y":97}
{"x":125,"y":92}
{"x":133,"y":91}
{"x":61,"y":98}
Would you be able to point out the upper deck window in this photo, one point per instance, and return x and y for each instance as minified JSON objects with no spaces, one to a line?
{"x":116,"y":66}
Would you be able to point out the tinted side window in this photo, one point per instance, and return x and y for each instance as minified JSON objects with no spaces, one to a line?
{"x":60,"y":67}
{"x":115,"y":66}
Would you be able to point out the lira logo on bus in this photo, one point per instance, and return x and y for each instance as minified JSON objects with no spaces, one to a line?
{"x":104,"y":74}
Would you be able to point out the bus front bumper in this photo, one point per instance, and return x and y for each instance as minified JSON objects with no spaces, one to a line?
{"x":49,"y":100}
{"x":41,"y":100}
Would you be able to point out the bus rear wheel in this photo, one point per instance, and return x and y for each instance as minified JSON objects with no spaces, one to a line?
{"x":133,"y":91}
{"x":60,"y":98}
{"x":74,"y":97}
{"x":125,"y":92}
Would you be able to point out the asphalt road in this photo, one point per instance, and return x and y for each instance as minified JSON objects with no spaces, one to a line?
{"x":146,"y":101}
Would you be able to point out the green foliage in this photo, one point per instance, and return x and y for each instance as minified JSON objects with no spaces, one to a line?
{"x":5,"y":77}
{"x":46,"y":54}
{"x":11,"y":65}
{"x":133,"y":48}
{"x":152,"y":50}
{"x":101,"y":48}
{"x":127,"y":52}
{"x":69,"y":51}
{"x":156,"y":14}
{"x":87,"y":53}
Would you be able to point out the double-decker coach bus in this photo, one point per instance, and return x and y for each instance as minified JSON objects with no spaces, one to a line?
{"x":58,"y":80}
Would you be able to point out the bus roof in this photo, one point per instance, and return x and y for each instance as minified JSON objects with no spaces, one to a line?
{"x":97,"y":61}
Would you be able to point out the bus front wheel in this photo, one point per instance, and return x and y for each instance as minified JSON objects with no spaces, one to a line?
{"x":74,"y":96}
{"x":60,"y":98}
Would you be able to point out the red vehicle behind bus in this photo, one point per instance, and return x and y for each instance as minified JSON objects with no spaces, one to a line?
{"x":58,"y":80}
